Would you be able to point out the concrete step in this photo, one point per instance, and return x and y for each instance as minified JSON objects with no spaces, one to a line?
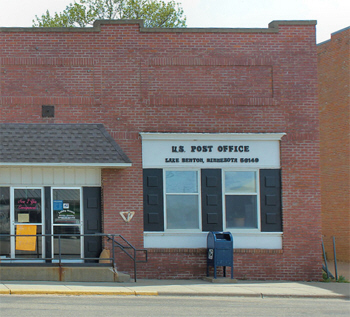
{"x":64,"y":274}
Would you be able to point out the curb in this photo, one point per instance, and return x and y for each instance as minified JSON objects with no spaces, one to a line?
{"x":346,"y":297}
{"x":160,"y":293}
{"x":208,"y":294}
{"x":5,"y":292}
{"x":78,"y":293}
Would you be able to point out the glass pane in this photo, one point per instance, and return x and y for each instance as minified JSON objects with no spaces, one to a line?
{"x":5,"y":221}
{"x":181,"y":182}
{"x":240,"y":182}
{"x":70,"y":245}
{"x":241,"y":211}
{"x":182,"y":211}
{"x":28,"y":246}
{"x":28,"y":205}
{"x":66,"y":206}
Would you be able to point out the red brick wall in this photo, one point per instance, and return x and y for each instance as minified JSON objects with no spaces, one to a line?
{"x":334,"y":99}
{"x":192,"y":81}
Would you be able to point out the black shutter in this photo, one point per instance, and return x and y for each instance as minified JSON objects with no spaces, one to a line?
{"x":92,"y":222}
{"x":5,"y":220}
{"x":153,"y":208}
{"x":270,"y":200}
{"x":48,"y":239}
{"x":211,"y":199}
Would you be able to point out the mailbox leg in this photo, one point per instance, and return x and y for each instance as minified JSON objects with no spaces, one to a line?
{"x":232,"y":271}
{"x":224,"y":271}
{"x":214,"y":270}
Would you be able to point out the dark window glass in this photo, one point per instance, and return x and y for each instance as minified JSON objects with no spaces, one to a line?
{"x":182,"y":212}
{"x":182,"y":206}
{"x":69,"y":243}
{"x":241,"y":200}
{"x":241,"y":211}
{"x":27,"y":204}
{"x":66,"y":206}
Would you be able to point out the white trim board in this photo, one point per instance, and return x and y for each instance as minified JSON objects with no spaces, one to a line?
{"x":262,"y":240}
{"x":212,"y":136}
{"x":50,"y":176}
{"x":201,"y":150}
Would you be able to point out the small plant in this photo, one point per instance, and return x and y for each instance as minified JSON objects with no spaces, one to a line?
{"x":342,"y":279}
{"x":325,"y":278}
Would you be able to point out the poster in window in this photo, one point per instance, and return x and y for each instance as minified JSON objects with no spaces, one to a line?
{"x":23,"y":241}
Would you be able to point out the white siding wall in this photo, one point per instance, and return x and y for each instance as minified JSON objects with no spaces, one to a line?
{"x":50,"y":176}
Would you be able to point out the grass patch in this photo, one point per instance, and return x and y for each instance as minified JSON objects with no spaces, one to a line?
{"x":341,"y":279}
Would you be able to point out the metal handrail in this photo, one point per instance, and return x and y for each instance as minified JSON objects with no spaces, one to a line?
{"x":124,"y":245}
{"x":124,"y":249}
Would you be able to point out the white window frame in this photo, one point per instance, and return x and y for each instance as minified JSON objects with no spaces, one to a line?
{"x":66,"y":225}
{"x":13,"y":223}
{"x":198,"y":197}
{"x":257,"y":193}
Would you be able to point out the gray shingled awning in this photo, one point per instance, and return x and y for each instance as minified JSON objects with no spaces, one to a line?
{"x":59,"y":145}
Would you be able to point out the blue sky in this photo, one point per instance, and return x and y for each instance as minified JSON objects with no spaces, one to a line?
{"x":331,"y":15}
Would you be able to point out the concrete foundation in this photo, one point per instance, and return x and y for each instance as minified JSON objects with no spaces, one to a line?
{"x":63,"y":274}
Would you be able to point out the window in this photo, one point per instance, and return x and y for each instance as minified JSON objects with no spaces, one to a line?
{"x":182,"y":200}
{"x":27,"y":204}
{"x":241,"y":200}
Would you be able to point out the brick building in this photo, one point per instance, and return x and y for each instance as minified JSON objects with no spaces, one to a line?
{"x":186,"y":130}
{"x":334,"y":100}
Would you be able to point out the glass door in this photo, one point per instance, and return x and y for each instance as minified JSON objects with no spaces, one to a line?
{"x":5,"y":228}
{"x":27,"y":223}
{"x":68,"y":223}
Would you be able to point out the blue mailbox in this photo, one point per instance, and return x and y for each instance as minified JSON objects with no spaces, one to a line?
{"x":220,"y":251}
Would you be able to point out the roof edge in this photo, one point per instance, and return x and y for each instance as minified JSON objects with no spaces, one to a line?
{"x":272,"y":27}
{"x":117,"y":159}
{"x":113,"y":143}
{"x":276,"y":23}
{"x":146,"y":136}
{"x":334,"y":33}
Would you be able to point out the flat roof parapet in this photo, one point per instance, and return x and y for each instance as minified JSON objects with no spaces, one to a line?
{"x":273,"y":27}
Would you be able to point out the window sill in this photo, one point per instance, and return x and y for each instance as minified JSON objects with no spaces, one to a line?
{"x":241,"y":240}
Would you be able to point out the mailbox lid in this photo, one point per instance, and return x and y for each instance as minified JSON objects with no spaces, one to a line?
{"x":219,"y":240}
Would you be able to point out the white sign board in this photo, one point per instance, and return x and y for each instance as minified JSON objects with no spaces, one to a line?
{"x":210,"y":150}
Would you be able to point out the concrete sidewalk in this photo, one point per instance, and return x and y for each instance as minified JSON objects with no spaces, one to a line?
{"x":221,"y":287}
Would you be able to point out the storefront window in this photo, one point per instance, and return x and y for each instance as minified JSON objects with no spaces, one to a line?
{"x":241,"y":199}
{"x":66,"y":206}
{"x":68,"y":245}
{"x":67,"y":223}
{"x":182,"y":207}
{"x":27,"y":205}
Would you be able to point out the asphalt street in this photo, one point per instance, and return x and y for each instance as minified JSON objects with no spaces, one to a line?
{"x":86,"y":306}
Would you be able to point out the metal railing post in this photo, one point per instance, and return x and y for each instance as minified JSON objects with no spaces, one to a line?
{"x":113,"y":256}
{"x":59,"y":250}
{"x":135,"y":265}
{"x":335,"y":260}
